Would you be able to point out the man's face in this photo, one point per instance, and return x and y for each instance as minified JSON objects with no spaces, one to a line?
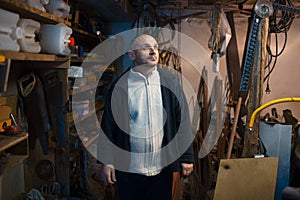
{"x":144,"y":51}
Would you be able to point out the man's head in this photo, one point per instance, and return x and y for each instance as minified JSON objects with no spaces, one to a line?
{"x":144,"y":51}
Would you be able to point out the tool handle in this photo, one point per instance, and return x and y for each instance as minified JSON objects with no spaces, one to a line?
{"x":11,"y":116}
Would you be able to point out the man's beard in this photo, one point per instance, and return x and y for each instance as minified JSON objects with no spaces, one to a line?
{"x":147,"y":63}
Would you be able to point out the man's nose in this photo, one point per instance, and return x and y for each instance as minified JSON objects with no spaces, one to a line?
{"x":151,"y":50}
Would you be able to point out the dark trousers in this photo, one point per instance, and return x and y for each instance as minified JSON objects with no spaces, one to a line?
{"x":139,"y":187}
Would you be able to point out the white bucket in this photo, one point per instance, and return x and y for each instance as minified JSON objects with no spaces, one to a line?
{"x":28,"y":42}
{"x":39,"y":4}
{"x":55,"y":39}
{"x":58,"y":8}
{"x":9,"y":32}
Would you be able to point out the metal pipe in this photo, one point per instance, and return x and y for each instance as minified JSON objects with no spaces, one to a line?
{"x":276,"y":101}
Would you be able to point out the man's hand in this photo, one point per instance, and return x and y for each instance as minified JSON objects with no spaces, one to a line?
{"x":186,"y":169}
{"x":108,"y":174}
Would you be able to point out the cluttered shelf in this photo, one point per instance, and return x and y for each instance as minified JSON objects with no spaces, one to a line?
{"x":24,"y":56}
{"x":30,"y":12}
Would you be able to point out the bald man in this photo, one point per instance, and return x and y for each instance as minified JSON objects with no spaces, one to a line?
{"x":147,"y":116}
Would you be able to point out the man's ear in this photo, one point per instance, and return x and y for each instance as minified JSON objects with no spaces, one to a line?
{"x":131,"y":55}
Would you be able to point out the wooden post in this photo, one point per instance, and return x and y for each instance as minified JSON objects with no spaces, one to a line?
{"x":233,"y":130}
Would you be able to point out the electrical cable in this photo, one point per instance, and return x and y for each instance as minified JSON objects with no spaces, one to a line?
{"x":276,"y":55}
{"x":280,"y":22}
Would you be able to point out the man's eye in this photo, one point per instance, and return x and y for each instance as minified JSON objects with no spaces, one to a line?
{"x":148,"y":48}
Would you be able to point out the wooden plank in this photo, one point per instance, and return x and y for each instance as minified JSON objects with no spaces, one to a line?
{"x":246,"y":179}
{"x":62,"y":155}
{"x":255,"y":93}
{"x":233,"y":62}
{"x":27,"y":11}
{"x":33,"y":56}
{"x":9,"y":141}
{"x":234,"y":126}
{"x":15,"y":160}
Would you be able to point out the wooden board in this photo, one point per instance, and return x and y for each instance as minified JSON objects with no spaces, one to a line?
{"x":33,"y":56}
{"x":9,"y":141}
{"x":247,"y":179}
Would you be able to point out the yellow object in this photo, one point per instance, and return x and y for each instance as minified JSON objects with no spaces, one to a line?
{"x":276,"y":101}
{"x":4,"y":124}
{"x":2,"y":59}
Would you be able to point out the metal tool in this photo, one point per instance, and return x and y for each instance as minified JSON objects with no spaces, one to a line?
{"x":13,"y":129}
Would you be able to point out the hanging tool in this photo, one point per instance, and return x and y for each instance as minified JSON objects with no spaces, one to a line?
{"x":31,"y":90}
{"x":53,"y":88}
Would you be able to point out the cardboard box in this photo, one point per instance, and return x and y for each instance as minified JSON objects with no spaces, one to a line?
{"x":10,"y":101}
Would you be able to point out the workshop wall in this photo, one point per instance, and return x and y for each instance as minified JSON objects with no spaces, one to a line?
{"x":285,"y":77}
{"x":284,"y":81}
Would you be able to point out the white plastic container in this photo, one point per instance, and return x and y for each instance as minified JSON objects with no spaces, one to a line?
{"x":9,"y":32}
{"x":55,"y":39}
{"x":39,"y":4}
{"x":58,"y":8}
{"x":28,"y":42}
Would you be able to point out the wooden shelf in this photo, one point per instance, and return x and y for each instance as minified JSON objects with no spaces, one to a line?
{"x":15,"y":160}
{"x":9,"y":141}
{"x":27,"y":11}
{"x":33,"y":56}
{"x":84,"y":33}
